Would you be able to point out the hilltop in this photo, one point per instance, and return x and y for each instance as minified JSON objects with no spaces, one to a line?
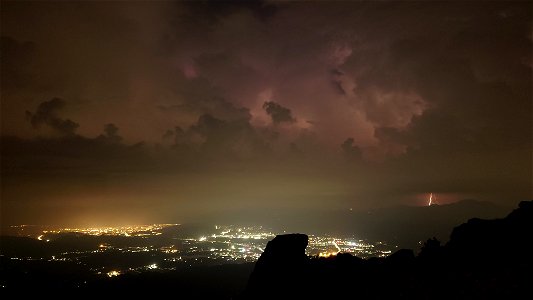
{"x":483,"y":259}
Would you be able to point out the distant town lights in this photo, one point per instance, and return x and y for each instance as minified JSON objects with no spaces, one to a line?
{"x":113,"y":273}
{"x":229,"y":243}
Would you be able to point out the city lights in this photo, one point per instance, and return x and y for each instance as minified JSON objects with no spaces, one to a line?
{"x":219,"y":245}
{"x":113,"y":273}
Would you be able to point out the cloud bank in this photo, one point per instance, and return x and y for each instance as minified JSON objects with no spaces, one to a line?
{"x":211,"y":106}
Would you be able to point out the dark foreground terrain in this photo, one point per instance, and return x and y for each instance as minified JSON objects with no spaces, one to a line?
{"x":484,"y":259}
{"x":199,"y":282}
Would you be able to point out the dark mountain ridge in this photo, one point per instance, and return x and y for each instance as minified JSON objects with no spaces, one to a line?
{"x":409,"y":226}
{"x":484,"y":259}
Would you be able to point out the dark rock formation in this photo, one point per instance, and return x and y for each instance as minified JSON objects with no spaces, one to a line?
{"x":484,"y":259}
{"x":282,"y":265}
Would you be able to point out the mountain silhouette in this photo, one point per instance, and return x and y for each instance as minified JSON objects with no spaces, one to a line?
{"x":484,"y":259}
{"x":408,"y":226}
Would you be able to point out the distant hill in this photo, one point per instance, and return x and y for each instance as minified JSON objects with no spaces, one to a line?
{"x":404,"y":226}
{"x":408,"y":226}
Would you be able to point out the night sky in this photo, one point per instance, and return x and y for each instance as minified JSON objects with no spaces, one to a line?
{"x":142,"y":112}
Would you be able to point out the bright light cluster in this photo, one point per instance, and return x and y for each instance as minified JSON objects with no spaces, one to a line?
{"x":113,"y":273}
{"x":220,"y":245}
{"x":325,"y":246}
{"x":133,"y":230}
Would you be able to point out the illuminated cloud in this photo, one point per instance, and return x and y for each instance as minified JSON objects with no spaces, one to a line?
{"x":260,"y":103}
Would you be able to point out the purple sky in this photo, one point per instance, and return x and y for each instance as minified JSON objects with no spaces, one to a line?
{"x":153,"y":111}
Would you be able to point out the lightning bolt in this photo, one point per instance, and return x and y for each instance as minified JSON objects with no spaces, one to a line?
{"x":430,"y":199}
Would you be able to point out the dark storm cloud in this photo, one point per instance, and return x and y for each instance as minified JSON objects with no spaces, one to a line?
{"x":47,"y":114}
{"x":111,"y":134}
{"x":278,"y":113}
{"x":215,"y":106}
{"x":217,"y":138}
{"x":66,"y":153}
{"x":71,"y":156}
{"x":213,"y":10}
{"x":351,"y":151}
{"x":476,"y":104}
{"x":469,"y":108}
{"x":434,"y":97}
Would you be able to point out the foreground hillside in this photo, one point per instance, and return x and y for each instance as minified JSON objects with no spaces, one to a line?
{"x":484,"y":259}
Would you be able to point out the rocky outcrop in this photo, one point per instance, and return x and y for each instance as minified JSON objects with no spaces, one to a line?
{"x":281,"y":269}
{"x":484,"y":259}
{"x":484,"y":241}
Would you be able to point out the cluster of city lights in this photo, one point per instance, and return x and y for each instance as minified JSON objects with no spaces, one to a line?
{"x":133,"y":230}
{"x":219,"y":245}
